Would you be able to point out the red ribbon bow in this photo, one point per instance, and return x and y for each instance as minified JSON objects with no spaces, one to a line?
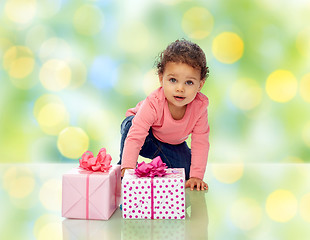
{"x":156,"y":168}
{"x":100,"y":163}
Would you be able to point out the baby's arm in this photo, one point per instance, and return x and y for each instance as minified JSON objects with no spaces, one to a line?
{"x":193,"y":181}
{"x":199,"y":150}
{"x":123,"y":171}
{"x":141,"y":123}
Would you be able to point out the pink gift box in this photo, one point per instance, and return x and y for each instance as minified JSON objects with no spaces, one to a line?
{"x":91,"y":195}
{"x":154,"y":198}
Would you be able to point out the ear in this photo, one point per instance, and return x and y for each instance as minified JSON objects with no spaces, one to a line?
{"x":160,"y":77}
{"x":201,"y":83}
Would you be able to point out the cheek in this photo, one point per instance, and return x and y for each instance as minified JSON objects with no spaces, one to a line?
{"x":166,"y":90}
{"x":167,"y":86}
{"x":194,"y":93}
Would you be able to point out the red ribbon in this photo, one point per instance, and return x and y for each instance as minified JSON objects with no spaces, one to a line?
{"x":102,"y":162}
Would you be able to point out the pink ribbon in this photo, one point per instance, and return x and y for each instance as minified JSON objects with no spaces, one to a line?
{"x":87,"y":192}
{"x":100,"y":163}
{"x":87,"y":195}
{"x":152,"y":198}
{"x":115,"y":200}
{"x":156,"y":168}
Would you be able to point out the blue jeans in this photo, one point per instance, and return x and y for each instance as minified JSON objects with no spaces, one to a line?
{"x":175,"y":156}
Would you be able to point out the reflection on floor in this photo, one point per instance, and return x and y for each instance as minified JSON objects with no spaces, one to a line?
{"x":195,"y":226}
{"x":251,"y":201}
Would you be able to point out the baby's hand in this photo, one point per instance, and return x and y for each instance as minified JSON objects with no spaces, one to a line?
{"x":192,"y":182}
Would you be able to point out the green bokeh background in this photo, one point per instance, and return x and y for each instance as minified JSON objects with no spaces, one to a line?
{"x":110,"y":48}
{"x":82,"y":64}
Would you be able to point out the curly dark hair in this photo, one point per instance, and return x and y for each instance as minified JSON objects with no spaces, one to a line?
{"x":183,"y":51}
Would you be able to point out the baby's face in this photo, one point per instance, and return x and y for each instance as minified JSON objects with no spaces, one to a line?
{"x":181,"y":83}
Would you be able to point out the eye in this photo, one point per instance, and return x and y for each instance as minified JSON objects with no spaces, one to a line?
{"x":189,"y":82}
{"x":173,"y":80}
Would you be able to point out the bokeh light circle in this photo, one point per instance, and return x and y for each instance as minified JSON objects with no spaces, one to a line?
{"x":103,"y":72}
{"x":227,"y":47}
{"x":37,"y":35}
{"x":281,"y":205}
{"x":21,"y":187}
{"x":19,"y":182}
{"x":43,"y":100}
{"x":53,"y":117}
{"x":43,"y":221}
{"x":88,"y":20}
{"x":5,"y":44}
{"x":128,"y":40}
{"x":21,"y":67}
{"x":50,"y":194}
{"x":51,"y":231}
{"x":78,"y":73}
{"x":98,"y":131}
{"x":281,"y":86}
{"x":246,"y":94}
{"x":18,"y":61}
{"x":51,"y":114}
{"x":246,"y":213}
{"x":55,"y":75}
{"x":20,"y":11}
{"x":305,"y":207}
{"x":303,"y":42}
{"x":305,"y":87}
{"x":197,"y":23}
{"x":8,"y":177}
{"x":228,"y":173}
{"x":126,"y":87}
{"x":150,"y":82}
{"x":48,"y":8}
{"x":55,"y":48}
{"x":72,"y":142}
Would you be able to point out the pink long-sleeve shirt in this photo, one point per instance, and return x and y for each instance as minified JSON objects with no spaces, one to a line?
{"x":153,"y":112}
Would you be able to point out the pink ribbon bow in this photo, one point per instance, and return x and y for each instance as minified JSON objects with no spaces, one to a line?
{"x":100,"y":163}
{"x":156,"y":168}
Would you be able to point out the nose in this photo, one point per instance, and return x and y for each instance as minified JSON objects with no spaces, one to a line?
{"x":180,"y":88}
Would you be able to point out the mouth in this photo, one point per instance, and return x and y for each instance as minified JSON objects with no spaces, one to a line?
{"x":178,"y":98}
